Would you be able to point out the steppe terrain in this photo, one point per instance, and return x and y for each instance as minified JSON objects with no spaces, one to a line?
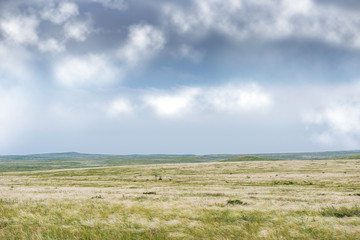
{"x":284,"y":199}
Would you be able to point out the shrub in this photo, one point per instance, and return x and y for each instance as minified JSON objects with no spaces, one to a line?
{"x":154,"y":193}
{"x":97,"y":197}
{"x":283,"y":183}
{"x":235,"y":202}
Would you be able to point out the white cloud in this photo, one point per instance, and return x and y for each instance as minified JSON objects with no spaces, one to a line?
{"x":78,"y":31}
{"x":85,"y":71}
{"x":144,"y":41}
{"x":299,"y":7}
{"x":238,"y":98}
{"x":117,"y":107}
{"x":343,"y":119}
{"x":173,"y":104}
{"x":269,"y":20}
{"x":340,"y":120}
{"x":204,"y":16}
{"x":335,"y":112}
{"x":61,"y":12}
{"x":23,"y":29}
{"x":51,"y":45}
{"x":20,"y":29}
{"x":231,"y":99}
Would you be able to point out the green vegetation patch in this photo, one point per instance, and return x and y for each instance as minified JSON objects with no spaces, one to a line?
{"x":341,"y":212}
{"x":356,"y":156}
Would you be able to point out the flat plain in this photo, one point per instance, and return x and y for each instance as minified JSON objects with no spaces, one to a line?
{"x":284,"y":199}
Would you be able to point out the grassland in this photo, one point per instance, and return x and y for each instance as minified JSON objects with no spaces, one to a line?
{"x":35,"y":162}
{"x":307,"y":199}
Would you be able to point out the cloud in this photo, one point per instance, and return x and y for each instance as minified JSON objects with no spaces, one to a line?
{"x":118,"y":106}
{"x":230,"y":99}
{"x":143,"y":43}
{"x":343,"y":119}
{"x":89,"y":70}
{"x":334,"y":112}
{"x":187,"y":52}
{"x":51,"y":45}
{"x":61,"y":12}
{"x":25,"y":29}
{"x":341,"y":123}
{"x":76,"y":30}
{"x":94,"y":48}
{"x":173,"y":104}
{"x":20,"y":29}
{"x":241,"y":20}
{"x":113,"y":4}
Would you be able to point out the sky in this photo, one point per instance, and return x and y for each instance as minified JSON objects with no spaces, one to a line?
{"x":179,"y":77}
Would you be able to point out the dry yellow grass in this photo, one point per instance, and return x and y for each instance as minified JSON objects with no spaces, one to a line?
{"x":281,"y":200}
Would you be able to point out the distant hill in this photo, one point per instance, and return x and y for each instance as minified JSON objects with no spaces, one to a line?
{"x":76,"y":155}
{"x":245,"y":158}
{"x":309,"y":155}
{"x":67,"y":160}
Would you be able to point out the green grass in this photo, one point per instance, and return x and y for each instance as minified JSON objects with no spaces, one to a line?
{"x":341,"y":212}
{"x":356,"y":156}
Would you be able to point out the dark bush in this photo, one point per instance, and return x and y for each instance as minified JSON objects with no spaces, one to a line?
{"x":150,"y":193}
{"x":235,"y":202}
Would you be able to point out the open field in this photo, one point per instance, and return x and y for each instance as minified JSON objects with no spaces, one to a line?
{"x":298,"y":199}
